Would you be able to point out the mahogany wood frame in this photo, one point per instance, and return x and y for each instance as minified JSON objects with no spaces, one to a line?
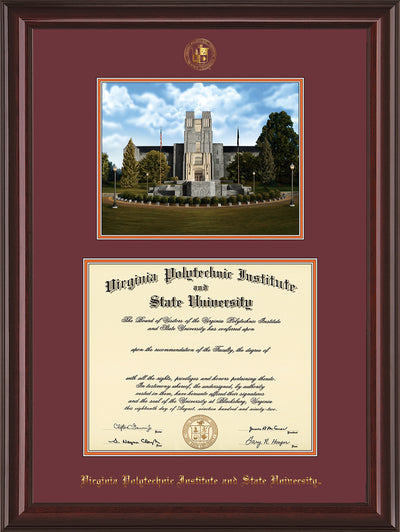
{"x":381,"y":19}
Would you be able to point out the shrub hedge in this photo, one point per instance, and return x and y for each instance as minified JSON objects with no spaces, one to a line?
{"x":269,"y":194}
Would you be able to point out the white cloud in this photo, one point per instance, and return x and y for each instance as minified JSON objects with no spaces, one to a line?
{"x":113,"y":146}
{"x":153,"y":111}
{"x":200,"y":97}
{"x":116,"y":99}
{"x":130,"y":112}
{"x":285,"y":97}
{"x":112,"y":125}
{"x":115,"y":140}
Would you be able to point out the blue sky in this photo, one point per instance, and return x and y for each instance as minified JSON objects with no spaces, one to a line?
{"x":138,"y":110}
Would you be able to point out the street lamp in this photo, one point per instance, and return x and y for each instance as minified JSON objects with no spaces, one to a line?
{"x":254,"y":182}
{"x":115,"y":206}
{"x":292,"y":202}
{"x":147,"y":178}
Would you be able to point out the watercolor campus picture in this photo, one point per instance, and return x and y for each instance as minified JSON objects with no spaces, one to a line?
{"x":219,"y":158}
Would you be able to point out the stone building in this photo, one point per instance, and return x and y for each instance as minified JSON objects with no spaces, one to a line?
{"x":198,"y":163}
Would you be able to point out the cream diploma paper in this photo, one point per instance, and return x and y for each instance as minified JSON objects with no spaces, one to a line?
{"x":200,"y":356}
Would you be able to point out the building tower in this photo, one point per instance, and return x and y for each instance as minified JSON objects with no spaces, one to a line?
{"x":198,"y":147}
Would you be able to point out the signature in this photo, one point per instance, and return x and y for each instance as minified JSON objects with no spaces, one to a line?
{"x":251,"y":441}
{"x":133,"y":426}
{"x":268,"y":427}
{"x":153,"y":442}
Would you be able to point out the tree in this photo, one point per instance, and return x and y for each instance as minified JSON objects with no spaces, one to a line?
{"x":247,"y":165}
{"x":266,"y":164}
{"x":129,"y":177}
{"x":284,"y":143}
{"x":150,"y":164}
{"x":105,"y":167}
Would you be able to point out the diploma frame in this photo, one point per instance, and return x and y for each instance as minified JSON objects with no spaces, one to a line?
{"x":381,"y":19}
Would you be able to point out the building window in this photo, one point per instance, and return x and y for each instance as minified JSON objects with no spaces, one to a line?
{"x":189,"y":122}
{"x":198,"y":160}
{"x":197,"y":124}
{"x":198,"y":148}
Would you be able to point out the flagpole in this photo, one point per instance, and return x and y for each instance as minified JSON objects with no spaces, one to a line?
{"x":238,"y":155}
{"x":160,"y":151}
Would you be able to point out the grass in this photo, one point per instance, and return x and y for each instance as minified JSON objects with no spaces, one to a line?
{"x":260,"y":188}
{"x":141,"y":188}
{"x":271,"y":219}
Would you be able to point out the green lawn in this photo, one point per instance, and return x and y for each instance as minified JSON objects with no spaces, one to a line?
{"x":141,"y":188}
{"x":273,"y":219}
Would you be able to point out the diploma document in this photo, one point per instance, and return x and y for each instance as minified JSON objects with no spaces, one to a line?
{"x":199,"y":357}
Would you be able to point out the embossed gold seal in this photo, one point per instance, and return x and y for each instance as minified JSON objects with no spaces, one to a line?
{"x":200,"y":54}
{"x":200,"y":432}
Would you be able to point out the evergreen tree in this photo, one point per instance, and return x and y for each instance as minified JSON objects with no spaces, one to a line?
{"x":150,"y":164}
{"x":129,"y":177}
{"x":284,"y":143}
{"x":266,"y":164}
{"x":247,"y":165}
{"x":105,"y":167}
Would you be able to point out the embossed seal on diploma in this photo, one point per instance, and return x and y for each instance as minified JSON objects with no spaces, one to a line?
{"x":200,"y":432}
{"x":200,"y":54}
